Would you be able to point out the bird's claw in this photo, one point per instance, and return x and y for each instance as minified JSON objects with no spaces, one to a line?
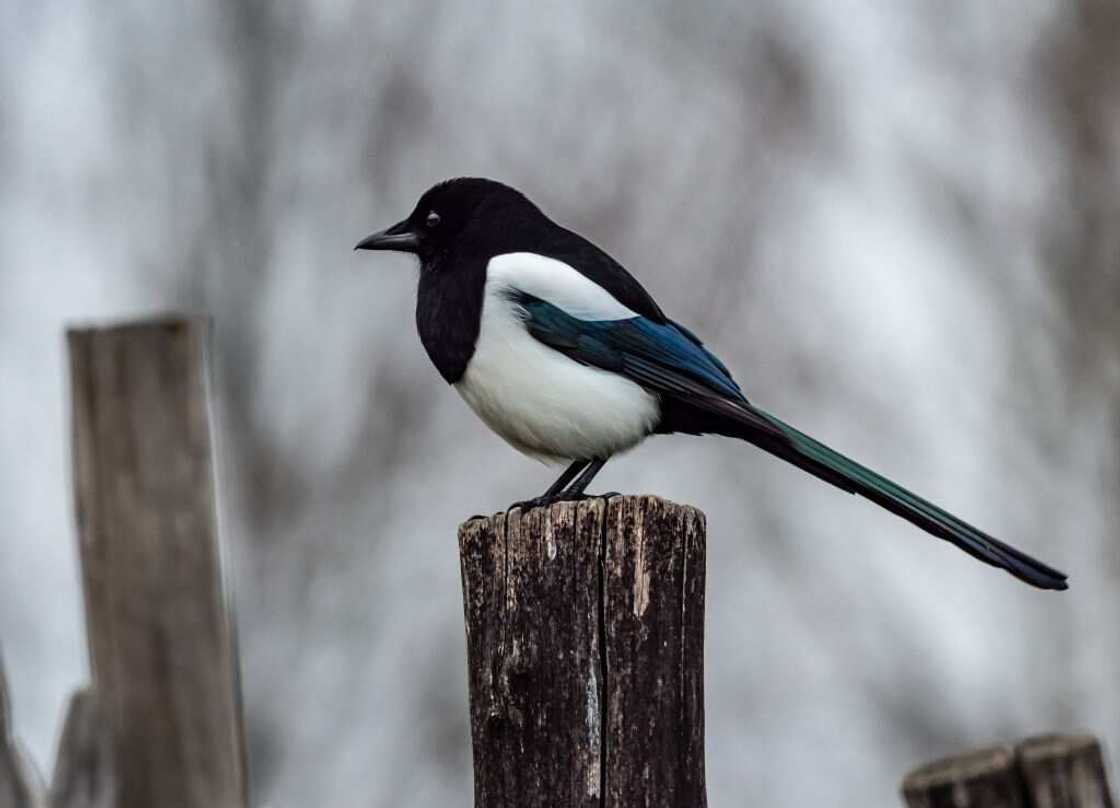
{"x":545,"y":501}
{"x":535,"y":502}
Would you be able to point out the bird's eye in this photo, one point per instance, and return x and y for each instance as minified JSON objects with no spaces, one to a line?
{"x":432,"y":220}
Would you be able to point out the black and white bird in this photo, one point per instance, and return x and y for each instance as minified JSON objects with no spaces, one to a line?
{"x":558,"y":349}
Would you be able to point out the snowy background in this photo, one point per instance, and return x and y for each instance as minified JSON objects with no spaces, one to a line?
{"x":898,"y":223}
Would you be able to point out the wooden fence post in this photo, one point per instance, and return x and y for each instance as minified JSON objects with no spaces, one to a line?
{"x":585,"y":633}
{"x":1052,"y":771}
{"x":984,"y":778}
{"x":83,"y":770}
{"x":1064,"y":771}
{"x":161,"y":645}
{"x":20,"y":785}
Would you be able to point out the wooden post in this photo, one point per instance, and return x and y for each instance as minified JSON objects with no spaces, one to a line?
{"x":585,"y":633}
{"x":984,"y":778}
{"x":83,"y":769}
{"x":1064,"y":771}
{"x":1053,"y":771}
{"x":161,"y":646}
{"x":20,"y":785}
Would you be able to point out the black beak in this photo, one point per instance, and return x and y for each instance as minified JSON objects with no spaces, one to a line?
{"x":399,"y":237}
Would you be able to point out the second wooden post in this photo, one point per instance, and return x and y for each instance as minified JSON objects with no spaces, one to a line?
{"x":162,"y":650}
{"x":585,"y":639}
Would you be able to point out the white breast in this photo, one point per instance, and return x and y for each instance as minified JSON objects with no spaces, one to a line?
{"x":540,"y":401}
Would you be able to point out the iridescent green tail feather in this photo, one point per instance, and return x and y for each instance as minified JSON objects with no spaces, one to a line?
{"x":813,"y":456}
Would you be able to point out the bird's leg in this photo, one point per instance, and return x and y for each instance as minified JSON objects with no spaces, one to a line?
{"x":576,"y":489}
{"x":569,"y":474}
{"x":555,"y":491}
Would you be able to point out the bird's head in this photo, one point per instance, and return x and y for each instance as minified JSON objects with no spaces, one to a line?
{"x":454,"y":213}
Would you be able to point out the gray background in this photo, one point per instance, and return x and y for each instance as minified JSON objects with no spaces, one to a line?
{"x":896,"y":221}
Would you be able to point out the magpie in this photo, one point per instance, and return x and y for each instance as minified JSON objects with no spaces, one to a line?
{"x":560,"y":350}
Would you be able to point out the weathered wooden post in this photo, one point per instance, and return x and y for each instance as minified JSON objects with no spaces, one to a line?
{"x":982,"y":778}
{"x":161,"y":645}
{"x":585,"y":640}
{"x":83,"y":770}
{"x":1053,"y":771}
{"x":20,"y":786}
{"x":1064,"y":771}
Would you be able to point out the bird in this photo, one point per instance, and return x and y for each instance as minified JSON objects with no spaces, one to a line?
{"x":565,"y":355}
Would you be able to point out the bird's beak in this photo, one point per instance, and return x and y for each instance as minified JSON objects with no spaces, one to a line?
{"x":399,"y":237}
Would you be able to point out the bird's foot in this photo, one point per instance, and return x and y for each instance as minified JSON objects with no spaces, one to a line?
{"x":564,"y":496}
{"x":536,"y":502}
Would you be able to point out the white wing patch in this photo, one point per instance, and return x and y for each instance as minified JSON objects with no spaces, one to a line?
{"x":555,"y":282}
{"x":543,"y":403}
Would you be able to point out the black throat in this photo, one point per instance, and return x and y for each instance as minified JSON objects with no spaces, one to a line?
{"x":449,"y":311}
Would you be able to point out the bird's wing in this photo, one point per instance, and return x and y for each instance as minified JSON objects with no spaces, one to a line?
{"x":667,"y":360}
{"x":663,"y":357}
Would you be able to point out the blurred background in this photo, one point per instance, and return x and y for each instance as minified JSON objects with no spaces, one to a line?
{"x":898,"y":223}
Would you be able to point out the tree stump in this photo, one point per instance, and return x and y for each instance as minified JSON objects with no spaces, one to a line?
{"x":585,"y":639}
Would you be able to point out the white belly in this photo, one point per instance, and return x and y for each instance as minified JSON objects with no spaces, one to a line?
{"x":545,"y":404}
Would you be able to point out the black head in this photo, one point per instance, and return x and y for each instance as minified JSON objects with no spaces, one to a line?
{"x":467,"y":210}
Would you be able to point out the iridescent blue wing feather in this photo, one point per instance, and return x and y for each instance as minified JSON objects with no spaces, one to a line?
{"x":668,"y":360}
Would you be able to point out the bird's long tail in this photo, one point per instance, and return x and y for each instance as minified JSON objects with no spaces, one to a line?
{"x":814,"y":457}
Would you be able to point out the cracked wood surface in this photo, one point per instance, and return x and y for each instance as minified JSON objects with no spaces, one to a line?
{"x":585,"y":644}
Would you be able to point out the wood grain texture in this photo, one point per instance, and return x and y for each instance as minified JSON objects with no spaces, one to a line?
{"x":161,"y":645}
{"x":585,"y":644}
